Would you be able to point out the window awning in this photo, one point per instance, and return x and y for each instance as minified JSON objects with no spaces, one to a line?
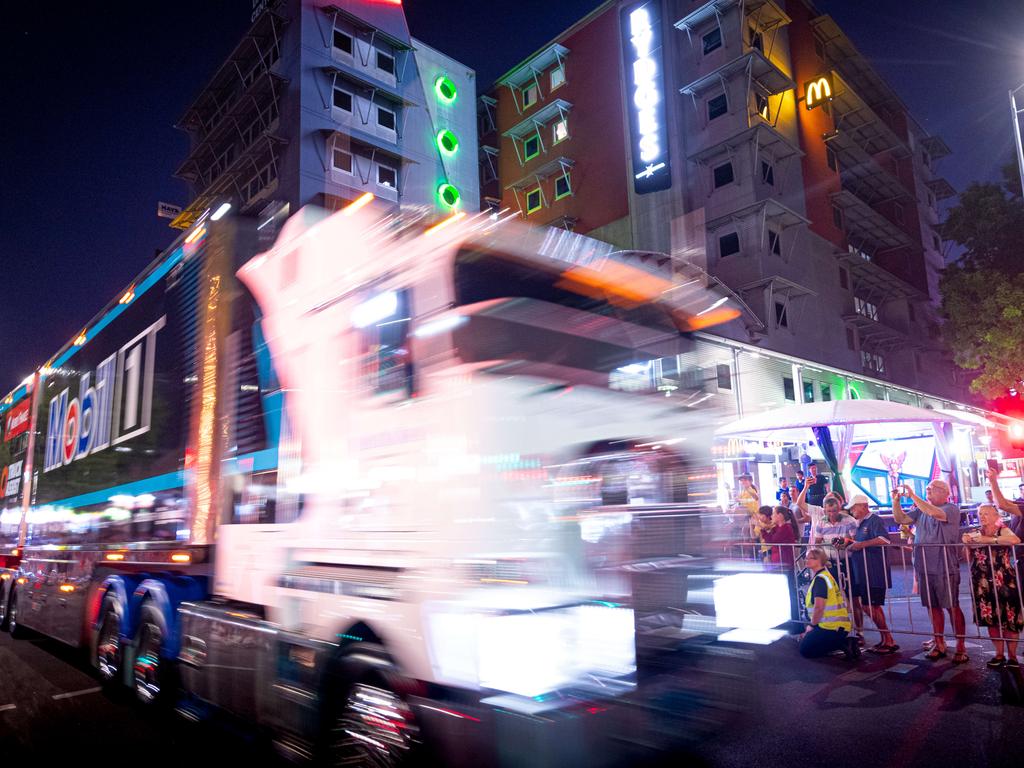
{"x":861,"y":122}
{"x":769,"y":140}
{"x":941,"y":188}
{"x":874,"y":282}
{"x":362,"y":25}
{"x":862,"y":173}
{"x":532,"y":67}
{"x":550,"y":168}
{"x":935,"y":147}
{"x":367,"y":83}
{"x":769,"y":77}
{"x":780,"y":286}
{"x":876,"y":336}
{"x":771,"y":210}
{"x":704,"y":13}
{"x":868,"y":223}
{"x":557,"y":108}
{"x":367,"y":143}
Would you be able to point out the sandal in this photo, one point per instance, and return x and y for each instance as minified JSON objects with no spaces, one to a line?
{"x":885,"y":650}
{"x":995,"y":662}
{"x":935,"y":654}
{"x":961,"y":657}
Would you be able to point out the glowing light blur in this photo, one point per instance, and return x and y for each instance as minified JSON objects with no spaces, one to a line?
{"x":373,"y":310}
{"x":751,"y":601}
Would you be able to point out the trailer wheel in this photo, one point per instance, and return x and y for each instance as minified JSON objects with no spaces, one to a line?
{"x":373,"y":725}
{"x":13,"y":625}
{"x":3,"y":609}
{"x":109,"y":650}
{"x":151,"y":671}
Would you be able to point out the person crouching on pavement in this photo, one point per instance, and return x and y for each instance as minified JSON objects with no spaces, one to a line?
{"x":869,"y":570}
{"x":829,"y":628}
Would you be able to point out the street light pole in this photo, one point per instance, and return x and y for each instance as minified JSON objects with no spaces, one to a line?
{"x":1016,"y":112}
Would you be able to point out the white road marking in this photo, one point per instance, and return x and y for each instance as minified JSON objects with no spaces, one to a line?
{"x":8,"y":707}
{"x":76,"y":693}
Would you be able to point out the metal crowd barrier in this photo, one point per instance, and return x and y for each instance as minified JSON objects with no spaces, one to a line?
{"x":902,"y":588}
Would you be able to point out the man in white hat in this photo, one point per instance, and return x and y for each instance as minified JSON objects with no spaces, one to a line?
{"x":869,"y":571}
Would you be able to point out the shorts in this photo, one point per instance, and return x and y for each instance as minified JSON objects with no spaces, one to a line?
{"x":873,"y":596}
{"x":939,"y":590}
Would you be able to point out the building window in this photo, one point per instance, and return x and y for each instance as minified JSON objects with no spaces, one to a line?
{"x":826,"y":392}
{"x":560,"y":132}
{"x":531,"y":147}
{"x":530,"y":95}
{"x":858,"y":252}
{"x":728,"y":245}
{"x":717,"y":106}
{"x":831,"y":159}
{"x":756,"y":41}
{"x":781,"y":315}
{"x":865,"y":308}
{"x":343,"y":42}
{"x":844,"y":278}
{"x":387,"y":177}
{"x":851,"y":339}
{"x":723,"y":175}
{"x":775,"y":242}
{"x":911,"y":313}
{"x":872,"y":362}
{"x":342,"y":161}
{"x":762,"y":106}
{"x":809,"y":392}
{"x":767,"y":173}
{"x":787,"y":388}
{"x":386,"y":62}
{"x":386,"y":118}
{"x":897,"y":212}
{"x":837,"y":216}
{"x":557,"y":76}
{"x":724,"y":375}
{"x":562,"y":187}
{"x":342,"y":100}
{"x":533,"y":201}
{"x":712,"y":40}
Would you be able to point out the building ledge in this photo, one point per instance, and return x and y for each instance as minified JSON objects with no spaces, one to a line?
{"x":772,"y":79}
{"x":534,"y":66}
{"x":868,"y":224}
{"x":528,"y":125}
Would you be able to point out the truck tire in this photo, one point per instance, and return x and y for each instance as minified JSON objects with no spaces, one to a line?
{"x":368,"y":722}
{"x":109,"y":658}
{"x":152,"y":673}
{"x":13,"y":620}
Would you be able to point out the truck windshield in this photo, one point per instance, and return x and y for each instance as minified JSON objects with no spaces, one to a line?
{"x":552,"y":326}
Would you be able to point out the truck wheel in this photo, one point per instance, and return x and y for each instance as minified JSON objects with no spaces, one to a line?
{"x":372,"y":725}
{"x":109,"y":651}
{"x":151,"y":672}
{"x":13,"y":625}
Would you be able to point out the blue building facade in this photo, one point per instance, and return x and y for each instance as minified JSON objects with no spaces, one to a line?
{"x":322,"y":102}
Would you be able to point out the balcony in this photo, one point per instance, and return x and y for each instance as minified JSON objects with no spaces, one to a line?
{"x":753,"y":64}
{"x":866,"y":227}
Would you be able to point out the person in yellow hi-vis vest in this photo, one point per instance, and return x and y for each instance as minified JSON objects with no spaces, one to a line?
{"x":829,"y":627}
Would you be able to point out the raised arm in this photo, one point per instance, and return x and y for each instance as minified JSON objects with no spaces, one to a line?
{"x":925,"y":506}
{"x":1001,"y":501}
{"x":898,"y":514}
{"x":801,"y":505}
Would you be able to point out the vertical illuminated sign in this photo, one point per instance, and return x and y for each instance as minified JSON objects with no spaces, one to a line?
{"x":645,"y":96}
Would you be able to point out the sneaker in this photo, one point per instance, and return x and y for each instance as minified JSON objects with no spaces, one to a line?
{"x":1012,"y":663}
{"x":996,"y":662}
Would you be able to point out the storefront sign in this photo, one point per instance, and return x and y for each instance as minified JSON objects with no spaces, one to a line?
{"x":645,"y":96}
{"x":16,"y":421}
{"x":818,"y":91}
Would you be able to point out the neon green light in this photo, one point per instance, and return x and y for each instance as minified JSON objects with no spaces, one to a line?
{"x":449,"y":194}
{"x":447,"y":142}
{"x":445,"y":89}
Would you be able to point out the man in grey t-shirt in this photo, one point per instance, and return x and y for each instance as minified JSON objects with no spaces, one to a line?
{"x":938,"y":568}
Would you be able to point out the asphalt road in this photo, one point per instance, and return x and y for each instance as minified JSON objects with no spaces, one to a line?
{"x":52,"y":707}
{"x":879,"y":711}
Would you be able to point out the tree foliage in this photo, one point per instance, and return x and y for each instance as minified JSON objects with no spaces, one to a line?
{"x":983,"y":290}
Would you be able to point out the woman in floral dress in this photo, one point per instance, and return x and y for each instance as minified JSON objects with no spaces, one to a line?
{"x":997,"y":596}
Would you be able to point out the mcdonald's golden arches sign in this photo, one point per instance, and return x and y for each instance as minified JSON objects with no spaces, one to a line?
{"x":818,"y":90}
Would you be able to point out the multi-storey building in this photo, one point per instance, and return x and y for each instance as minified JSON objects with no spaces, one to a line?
{"x":321,"y":102}
{"x":818,"y":213}
{"x":751,"y":138}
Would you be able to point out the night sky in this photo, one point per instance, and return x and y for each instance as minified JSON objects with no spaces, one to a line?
{"x":91,"y":95}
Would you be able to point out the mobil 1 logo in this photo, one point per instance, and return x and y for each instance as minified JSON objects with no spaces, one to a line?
{"x":113,"y":403}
